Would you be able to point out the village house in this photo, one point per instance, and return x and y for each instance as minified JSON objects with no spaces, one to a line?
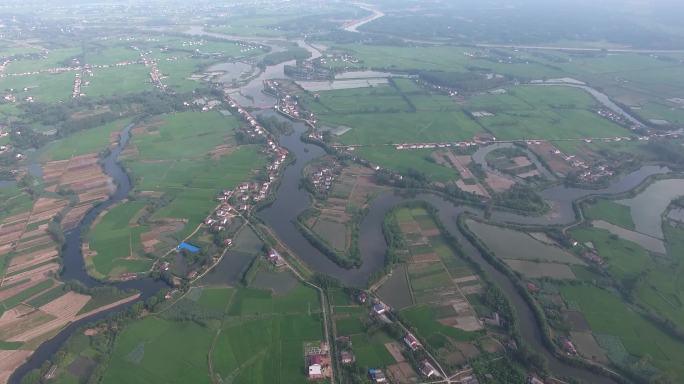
{"x":569,"y":347}
{"x":377,"y":376}
{"x":495,"y":320}
{"x":317,"y":357}
{"x":347,"y":357}
{"x":411,"y":341}
{"x":275,"y":258}
{"x":427,"y":369}
{"x":315,"y":367}
{"x":379,"y":308}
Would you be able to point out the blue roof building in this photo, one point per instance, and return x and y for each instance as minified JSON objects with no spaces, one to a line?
{"x":187,"y":247}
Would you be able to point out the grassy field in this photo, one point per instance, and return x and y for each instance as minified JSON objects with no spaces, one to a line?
{"x":403,"y":161}
{"x":154,"y":350}
{"x":116,"y":241}
{"x":118,"y":81}
{"x":543,"y":112}
{"x":610,"y":211}
{"x":424,"y":319}
{"x":416,"y":127}
{"x":83,"y":142}
{"x":607,"y":315}
{"x":381,"y":98}
{"x":110,"y":55}
{"x":661,"y":288}
{"x":242,"y":348}
{"x":215,"y":298}
{"x":171,"y":157}
{"x":625,"y":258}
{"x":41,"y":87}
{"x":53,"y":59}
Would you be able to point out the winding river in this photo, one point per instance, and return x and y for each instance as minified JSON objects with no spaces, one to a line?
{"x":73,"y":264}
{"x":291,"y":200}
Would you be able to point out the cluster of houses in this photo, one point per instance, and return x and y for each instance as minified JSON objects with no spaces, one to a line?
{"x":246,"y":47}
{"x":251,"y":193}
{"x":439,"y":88}
{"x":276,"y":153}
{"x":205,"y":104}
{"x":287,"y":105}
{"x":461,"y":144}
{"x":223,"y":215}
{"x":612,"y":116}
{"x":76,"y":91}
{"x":594,"y":174}
{"x":593,"y":257}
{"x":330,"y":58}
{"x":589,"y":173}
{"x":323,"y":177}
{"x":155,"y":74}
{"x":76,"y":67}
{"x":255,"y":129}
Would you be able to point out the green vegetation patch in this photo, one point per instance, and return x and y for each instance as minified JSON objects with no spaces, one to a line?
{"x":116,"y":241}
{"x":164,"y":355}
{"x":612,"y":212}
{"x":625,"y":259}
{"x":423,"y":319}
{"x":608,"y":315}
{"x":265,"y":350}
{"x":406,"y":161}
{"x":370,"y":351}
{"x":27,"y":294}
{"x":86,"y":141}
{"x":215,"y":298}
{"x":47,"y":296}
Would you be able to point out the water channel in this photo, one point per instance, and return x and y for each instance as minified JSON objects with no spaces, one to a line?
{"x":73,"y":264}
{"x":291,"y":200}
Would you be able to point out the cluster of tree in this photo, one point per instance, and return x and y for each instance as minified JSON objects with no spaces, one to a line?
{"x":55,"y":231}
{"x":493,"y":370}
{"x":667,"y":151}
{"x":520,"y":197}
{"x":243,"y":137}
{"x":8,"y":158}
{"x":496,"y":300}
{"x":338,"y":258}
{"x":470,"y":81}
{"x":412,"y":178}
{"x":394,"y":239}
{"x":275,"y":125}
{"x":24,"y":137}
{"x":292,"y":53}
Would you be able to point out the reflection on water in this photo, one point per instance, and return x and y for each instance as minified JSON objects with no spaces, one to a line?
{"x":648,"y":206}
